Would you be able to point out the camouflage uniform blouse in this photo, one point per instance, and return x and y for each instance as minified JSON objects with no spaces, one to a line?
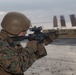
{"x":14,"y":58}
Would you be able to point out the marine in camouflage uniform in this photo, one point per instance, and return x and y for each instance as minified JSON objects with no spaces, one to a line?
{"x":15,"y":59}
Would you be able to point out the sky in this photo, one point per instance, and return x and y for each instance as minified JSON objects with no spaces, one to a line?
{"x":39,"y":11}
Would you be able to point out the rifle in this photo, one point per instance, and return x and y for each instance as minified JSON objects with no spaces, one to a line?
{"x":38,"y":35}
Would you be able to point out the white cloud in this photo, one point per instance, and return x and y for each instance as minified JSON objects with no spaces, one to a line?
{"x":2,"y":13}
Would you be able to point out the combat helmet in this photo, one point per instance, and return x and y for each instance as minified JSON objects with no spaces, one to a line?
{"x":15,"y":22}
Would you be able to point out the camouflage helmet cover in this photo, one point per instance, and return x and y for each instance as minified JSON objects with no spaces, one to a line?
{"x":15,"y":22}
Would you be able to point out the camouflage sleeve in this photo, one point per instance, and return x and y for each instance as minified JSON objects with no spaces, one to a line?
{"x":15,"y":60}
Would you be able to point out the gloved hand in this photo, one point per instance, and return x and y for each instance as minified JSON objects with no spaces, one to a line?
{"x":33,"y":44}
{"x":41,"y":51}
{"x":51,"y":37}
{"x":38,"y":48}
